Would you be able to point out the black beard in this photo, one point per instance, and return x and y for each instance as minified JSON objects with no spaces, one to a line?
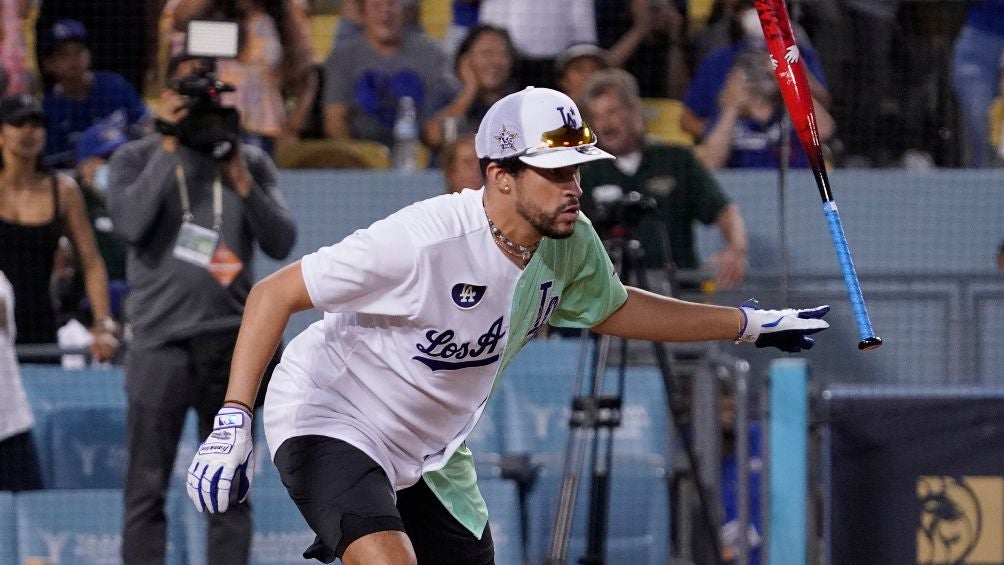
{"x":544,"y":223}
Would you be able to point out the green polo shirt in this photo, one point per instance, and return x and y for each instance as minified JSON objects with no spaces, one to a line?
{"x":685,"y":192}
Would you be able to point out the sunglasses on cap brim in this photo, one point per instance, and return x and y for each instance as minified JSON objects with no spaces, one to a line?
{"x":565,"y":136}
{"x":37,"y":120}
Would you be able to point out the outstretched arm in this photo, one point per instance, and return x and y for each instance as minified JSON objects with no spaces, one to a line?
{"x":653,"y":317}
{"x":649,"y":316}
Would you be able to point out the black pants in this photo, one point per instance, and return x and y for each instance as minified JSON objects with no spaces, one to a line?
{"x":344,"y":495}
{"x":19,"y":463}
{"x":162,"y":383}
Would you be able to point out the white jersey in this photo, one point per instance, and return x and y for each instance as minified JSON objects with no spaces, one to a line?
{"x":15,"y":417}
{"x":422,"y":312}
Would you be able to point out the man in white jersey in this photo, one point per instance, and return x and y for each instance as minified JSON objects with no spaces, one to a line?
{"x":367,"y":413}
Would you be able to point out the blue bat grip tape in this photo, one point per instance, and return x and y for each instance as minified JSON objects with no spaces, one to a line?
{"x":847,"y":267}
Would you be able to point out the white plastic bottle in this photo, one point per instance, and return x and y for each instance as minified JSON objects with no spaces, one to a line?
{"x":404,"y":154}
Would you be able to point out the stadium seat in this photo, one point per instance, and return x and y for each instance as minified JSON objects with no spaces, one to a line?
{"x":663,"y":121}
{"x":8,"y":531}
{"x":58,"y":395}
{"x":322,"y":34}
{"x":280,"y":533}
{"x":537,"y":396}
{"x":434,"y":17}
{"x":644,"y":416}
{"x":637,"y":516}
{"x":487,"y":437}
{"x":990,"y":309}
{"x":87,"y":447}
{"x":333,"y":154}
{"x":698,"y":12}
{"x":503,"y":516}
{"x":83,"y":527}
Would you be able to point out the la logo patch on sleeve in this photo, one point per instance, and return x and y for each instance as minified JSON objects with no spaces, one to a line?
{"x":467,"y":295}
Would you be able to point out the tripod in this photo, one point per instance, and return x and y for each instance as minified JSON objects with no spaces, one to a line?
{"x":601,"y":414}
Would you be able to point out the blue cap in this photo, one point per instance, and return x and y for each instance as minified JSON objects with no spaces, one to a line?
{"x":99,"y":141}
{"x":62,"y":30}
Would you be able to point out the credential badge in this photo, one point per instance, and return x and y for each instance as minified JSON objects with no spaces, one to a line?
{"x":467,"y":295}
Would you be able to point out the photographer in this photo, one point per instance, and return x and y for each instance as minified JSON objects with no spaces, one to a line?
{"x":669,"y":178}
{"x":747,"y":130}
{"x":191,"y":203}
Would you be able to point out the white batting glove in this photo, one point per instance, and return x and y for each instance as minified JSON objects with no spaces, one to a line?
{"x":222,"y":468}
{"x":787,"y":330}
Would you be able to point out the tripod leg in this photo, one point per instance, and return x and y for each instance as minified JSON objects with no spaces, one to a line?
{"x":575,"y":455}
{"x":662,"y":359}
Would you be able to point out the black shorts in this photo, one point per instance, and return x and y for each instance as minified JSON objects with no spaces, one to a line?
{"x":344,"y":495}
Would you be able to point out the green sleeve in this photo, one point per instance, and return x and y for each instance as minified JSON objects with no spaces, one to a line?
{"x":594,"y":291}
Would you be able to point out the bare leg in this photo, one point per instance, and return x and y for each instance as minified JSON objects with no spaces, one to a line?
{"x":380,"y":548}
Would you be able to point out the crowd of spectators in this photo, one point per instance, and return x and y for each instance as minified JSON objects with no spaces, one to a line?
{"x":297,"y":84}
{"x":379,"y":51}
{"x":94,"y":173}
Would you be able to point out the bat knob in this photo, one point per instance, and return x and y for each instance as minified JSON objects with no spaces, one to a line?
{"x":869,"y":343}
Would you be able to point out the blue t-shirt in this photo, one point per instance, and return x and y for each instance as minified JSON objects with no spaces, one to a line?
{"x":465,"y":14}
{"x":987,"y":16}
{"x":758,"y":146}
{"x":111,"y":98}
{"x":713,"y":71}
{"x":371,"y":84}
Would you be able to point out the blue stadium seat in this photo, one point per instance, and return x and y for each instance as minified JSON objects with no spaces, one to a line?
{"x":644,"y":416}
{"x":637,"y":516}
{"x":86,"y":447}
{"x":990,"y":333}
{"x":281,"y":534}
{"x":8,"y":531}
{"x":55,"y":392}
{"x":537,"y":394}
{"x":83,"y":527}
{"x":486,"y":441}
{"x":503,"y":516}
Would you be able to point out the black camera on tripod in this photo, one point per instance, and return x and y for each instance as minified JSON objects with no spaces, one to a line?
{"x":616,"y":213}
{"x":210,"y":127}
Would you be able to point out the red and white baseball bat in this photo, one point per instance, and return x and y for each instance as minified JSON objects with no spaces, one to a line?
{"x":790,"y":73}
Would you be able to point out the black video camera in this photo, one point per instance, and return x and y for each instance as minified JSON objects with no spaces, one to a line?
{"x":209,"y":128}
{"x":617,"y":213}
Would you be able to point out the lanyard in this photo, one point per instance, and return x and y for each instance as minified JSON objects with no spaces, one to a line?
{"x":186,"y":208}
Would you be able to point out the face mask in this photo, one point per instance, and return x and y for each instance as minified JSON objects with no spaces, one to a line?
{"x":750,"y":22}
{"x":101,"y":178}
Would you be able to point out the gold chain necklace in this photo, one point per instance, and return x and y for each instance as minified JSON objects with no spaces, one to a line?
{"x":522,"y":252}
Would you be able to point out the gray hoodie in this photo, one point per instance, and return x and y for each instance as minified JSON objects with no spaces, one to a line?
{"x":169,"y":298}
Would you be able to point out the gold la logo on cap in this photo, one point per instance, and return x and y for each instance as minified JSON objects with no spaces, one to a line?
{"x":960,"y":520}
{"x":507,"y":139}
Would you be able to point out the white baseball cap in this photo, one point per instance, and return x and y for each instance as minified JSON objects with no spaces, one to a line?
{"x":542,"y":127}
